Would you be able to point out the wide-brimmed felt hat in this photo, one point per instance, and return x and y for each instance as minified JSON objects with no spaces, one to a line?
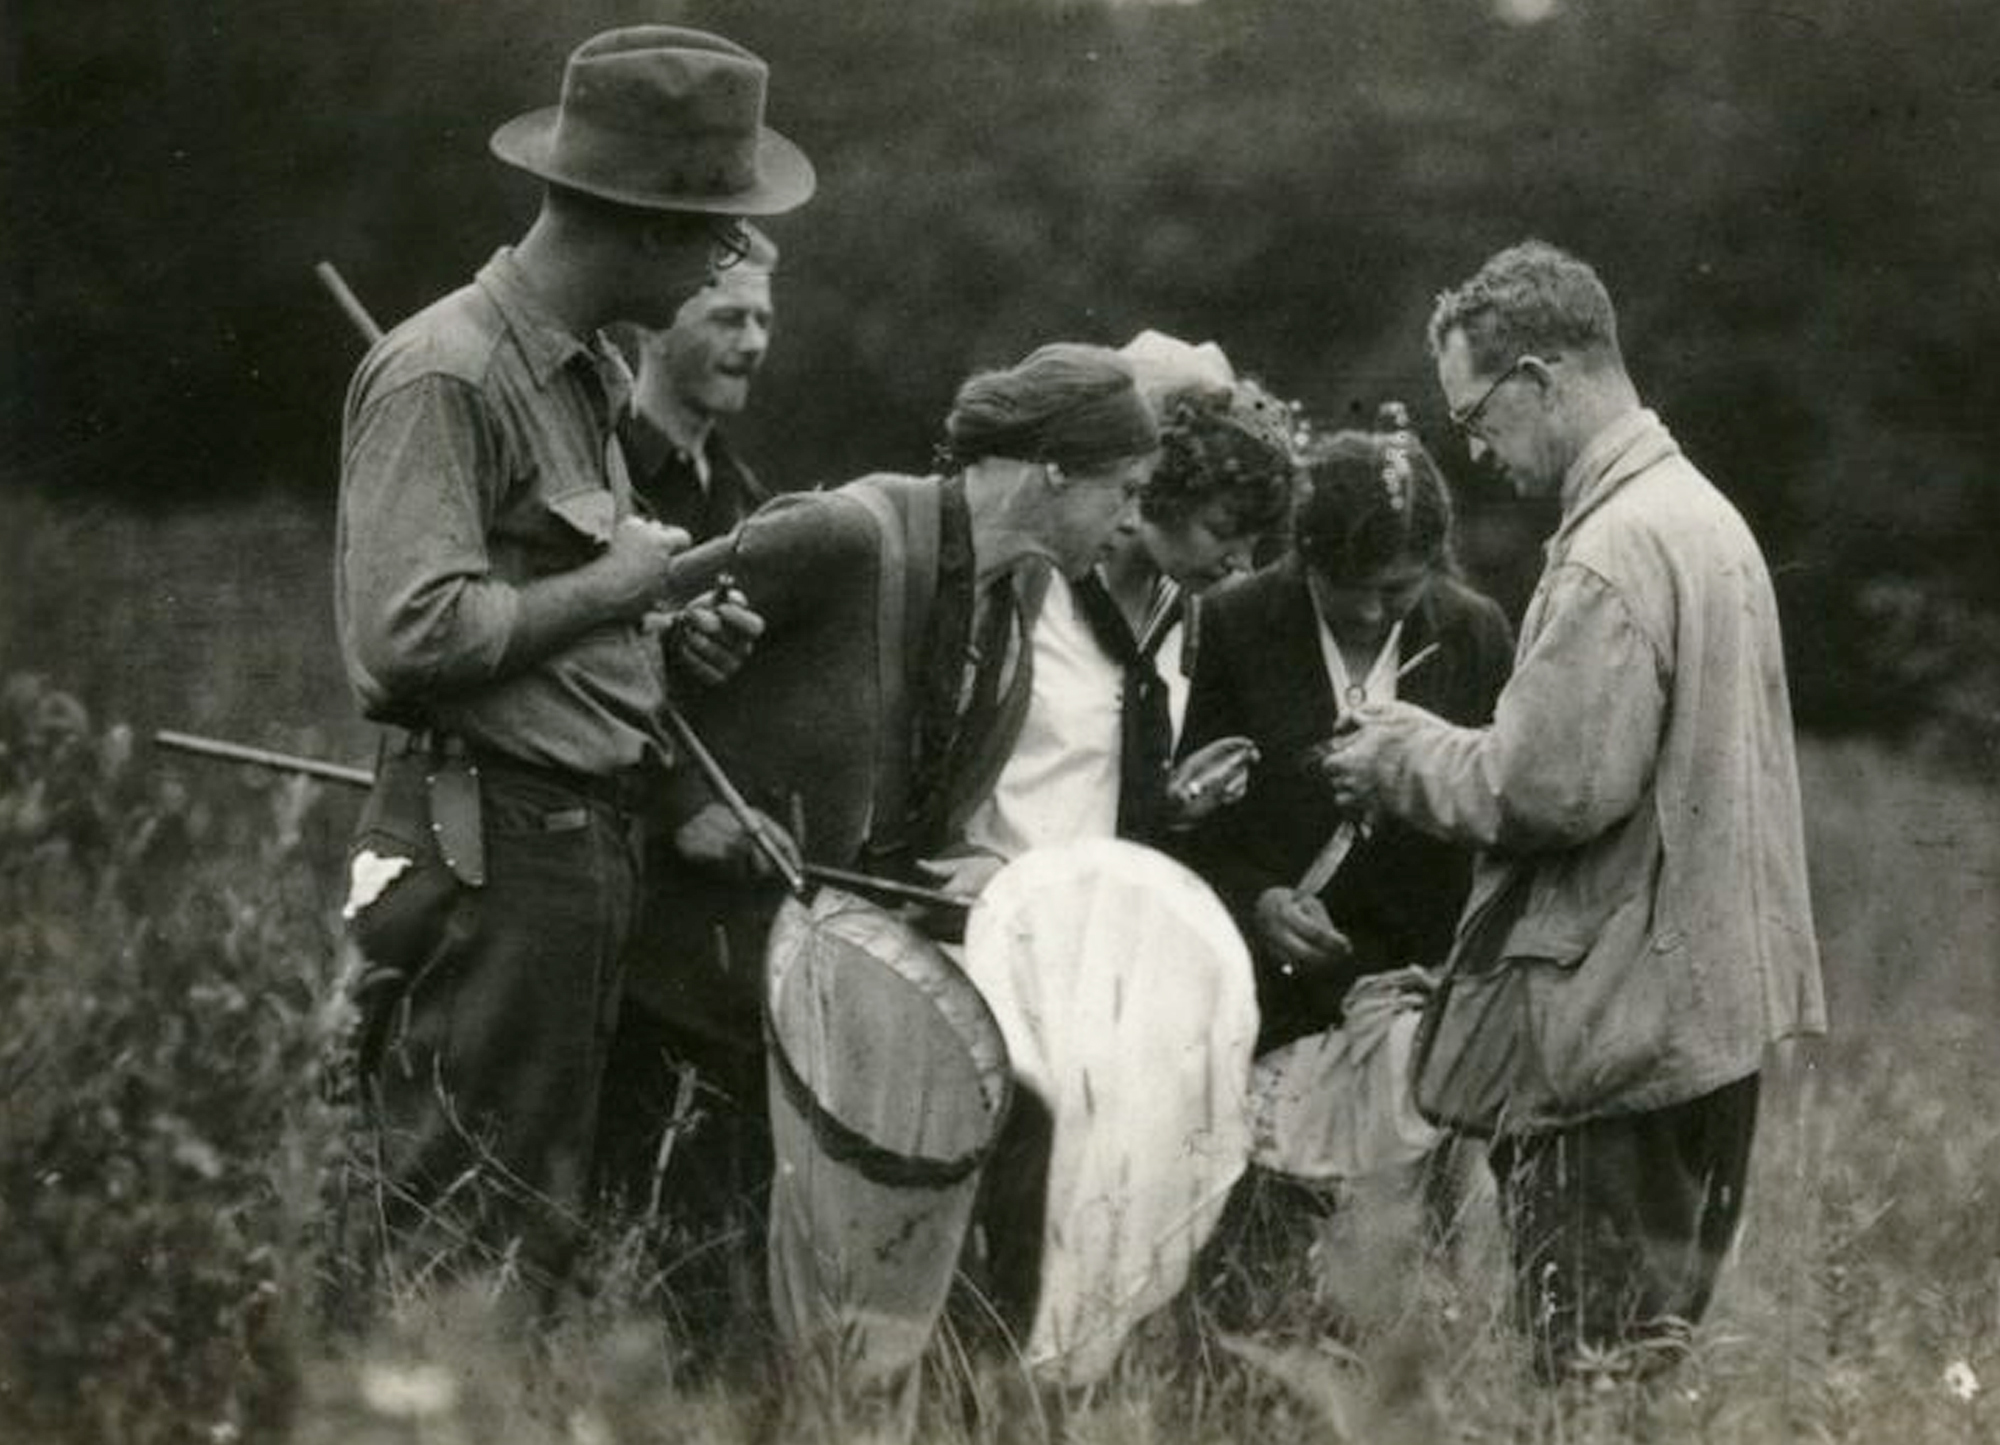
{"x":663,"y":119}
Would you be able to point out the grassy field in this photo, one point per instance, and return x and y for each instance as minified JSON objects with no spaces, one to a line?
{"x":171,"y":989}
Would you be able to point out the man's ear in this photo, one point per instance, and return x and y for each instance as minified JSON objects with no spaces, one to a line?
{"x":1544,"y":374}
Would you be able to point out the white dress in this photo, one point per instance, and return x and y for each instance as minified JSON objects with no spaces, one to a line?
{"x":1127,"y":1002}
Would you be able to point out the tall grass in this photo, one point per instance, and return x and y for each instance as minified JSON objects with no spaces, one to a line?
{"x":169,"y":997}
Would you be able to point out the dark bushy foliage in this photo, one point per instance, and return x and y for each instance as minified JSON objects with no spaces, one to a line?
{"x":164,"y":1027}
{"x":1794,"y":208}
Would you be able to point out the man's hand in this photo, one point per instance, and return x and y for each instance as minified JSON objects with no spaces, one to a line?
{"x":1296,"y":928}
{"x":1353,"y":760}
{"x":636,"y":564}
{"x":715,"y":838}
{"x":710,"y":638}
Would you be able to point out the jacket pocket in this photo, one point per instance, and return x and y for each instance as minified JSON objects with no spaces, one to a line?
{"x":1575,"y":895}
{"x":1602,"y":1028}
{"x":1605,"y":989}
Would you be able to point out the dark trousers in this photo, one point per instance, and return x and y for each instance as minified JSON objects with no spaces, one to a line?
{"x":661,"y":1080}
{"x":487,"y":1014}
{"x":1618,"y":1226}
{"x":684,"y":1136}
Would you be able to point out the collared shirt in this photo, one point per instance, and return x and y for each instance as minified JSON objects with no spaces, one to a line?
{"x":706,"y":494}
{"x":475,"y":461}
{"x":1591,"y":476}
{"x":1378,"y":684}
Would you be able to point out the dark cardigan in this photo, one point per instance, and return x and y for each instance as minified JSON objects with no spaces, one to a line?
{"x":821,"y":721}
{"x":1259,"y":673}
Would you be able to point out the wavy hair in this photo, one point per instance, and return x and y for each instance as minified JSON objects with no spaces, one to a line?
{"x":1233,"y":447}
{"x":1371,"y":498}
{"x":1529,"y":298}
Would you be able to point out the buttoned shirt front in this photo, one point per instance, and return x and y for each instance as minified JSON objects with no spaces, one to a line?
{"x":476,"y":459}
{"x":706,"y":495}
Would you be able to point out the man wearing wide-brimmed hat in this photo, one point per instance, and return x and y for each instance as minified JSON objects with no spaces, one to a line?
{"x":494,"y":574}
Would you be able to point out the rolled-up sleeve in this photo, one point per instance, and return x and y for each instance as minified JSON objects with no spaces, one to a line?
{"x":422,"y":614}
{"x":1573,"y":743}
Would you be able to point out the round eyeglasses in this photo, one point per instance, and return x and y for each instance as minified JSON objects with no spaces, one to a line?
{"x":728,"y":242}
{"x":1465,"y":422}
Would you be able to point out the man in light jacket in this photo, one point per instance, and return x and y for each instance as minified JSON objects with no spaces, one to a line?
{"x":1642,"y":886}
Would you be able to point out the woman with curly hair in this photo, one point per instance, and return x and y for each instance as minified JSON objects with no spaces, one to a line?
{"x":1223,"y":486}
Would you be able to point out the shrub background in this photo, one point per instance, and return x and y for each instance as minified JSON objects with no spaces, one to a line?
{"x":1796,"y":208}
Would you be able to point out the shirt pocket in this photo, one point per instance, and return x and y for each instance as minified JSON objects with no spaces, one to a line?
{"x":561,"y":532}
{"x":590,"y":512}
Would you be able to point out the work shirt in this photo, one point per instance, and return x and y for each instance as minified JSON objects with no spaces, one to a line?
{"x":1640,"y":771}
{"x":706,"y":496}
{"x":476,"y":460}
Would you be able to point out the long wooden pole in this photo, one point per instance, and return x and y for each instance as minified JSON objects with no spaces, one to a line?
{"x":264,"y":758}
{"x":752,"y":821}
{"x":347,"y":301}
{"x":229,"y":752}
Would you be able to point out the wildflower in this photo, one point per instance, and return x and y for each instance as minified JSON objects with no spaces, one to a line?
{"x":1959,"y":1379}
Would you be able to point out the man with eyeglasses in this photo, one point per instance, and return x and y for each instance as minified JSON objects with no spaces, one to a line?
{"x":1638,"y":931}
{"x":494,"y":580}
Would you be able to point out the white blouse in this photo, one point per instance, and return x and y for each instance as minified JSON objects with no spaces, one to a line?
{"x":1061,"y":781}
{"x":1379,"y":685}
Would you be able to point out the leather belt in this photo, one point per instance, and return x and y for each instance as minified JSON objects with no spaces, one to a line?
{"x":626,"y":790}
